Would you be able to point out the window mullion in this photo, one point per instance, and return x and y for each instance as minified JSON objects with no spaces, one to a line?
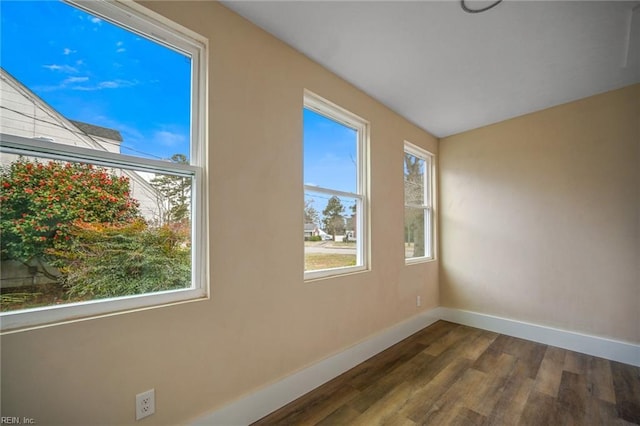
{"x":25,"y":146}
{"x":417,"y":206}
{"x":331,"y":191}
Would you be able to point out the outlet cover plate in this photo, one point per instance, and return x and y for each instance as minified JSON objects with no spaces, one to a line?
{"x":145,"y":404}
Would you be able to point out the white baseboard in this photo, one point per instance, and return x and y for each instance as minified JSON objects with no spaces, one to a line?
{"x":615,"y":350}
{"x":264,"y":401}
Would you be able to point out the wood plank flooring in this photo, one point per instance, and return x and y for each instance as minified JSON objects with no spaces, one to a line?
{"x":449,"y":374}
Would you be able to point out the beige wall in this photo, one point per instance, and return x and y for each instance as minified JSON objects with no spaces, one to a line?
{"x":262,"y":321}
{"x":540,"y":217}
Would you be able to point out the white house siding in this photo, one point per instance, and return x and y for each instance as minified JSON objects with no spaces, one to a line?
{"x":23,"y":115}
{"x":148,"y":198}
{"x":108,"y":144}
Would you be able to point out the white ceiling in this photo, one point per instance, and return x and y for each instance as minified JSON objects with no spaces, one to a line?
{"x":449,"y":71}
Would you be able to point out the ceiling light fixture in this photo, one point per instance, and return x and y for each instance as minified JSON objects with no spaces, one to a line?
{"x":464,"y":7}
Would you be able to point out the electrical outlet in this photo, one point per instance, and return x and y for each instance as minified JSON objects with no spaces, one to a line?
{"x":145,"y":404}
{"x":418,"y":301}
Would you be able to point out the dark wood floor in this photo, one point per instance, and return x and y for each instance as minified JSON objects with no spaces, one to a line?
{"x":448,"y":374}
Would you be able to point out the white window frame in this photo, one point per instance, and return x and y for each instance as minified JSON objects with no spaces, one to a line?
{"x":140,"y":20}
{"x":342,"y":116}
{"x":428,"y":177}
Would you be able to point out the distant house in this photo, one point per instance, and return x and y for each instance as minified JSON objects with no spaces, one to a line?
{"x":311,"y":230}
{"x":26,"y":115}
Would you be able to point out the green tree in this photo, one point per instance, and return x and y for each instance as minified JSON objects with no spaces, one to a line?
{"x":176,"y":193}
{"x":82,"y":220}
{"x":333,"y":220}
{"x":111,"y":260}
{"x":40,"y":201}
{"x":311,"y":215}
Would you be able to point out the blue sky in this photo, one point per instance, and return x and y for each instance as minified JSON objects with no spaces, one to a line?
{"x":92,"y":71}
{"x":329,"y":153}
{"x":329,"y":158}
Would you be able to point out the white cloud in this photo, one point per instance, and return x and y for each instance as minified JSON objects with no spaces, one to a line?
{"x":64,"y":84}
{"x":122,"y":49}
{"x":96,"y":20}
{"x":166,"y":138}
{"x":109,"y":84}
{"x":72,"y":80}
{"x":120,"y":43}
{"x":62,"y":68}
{"x":116,"y":84}
{"x":68,"y":51}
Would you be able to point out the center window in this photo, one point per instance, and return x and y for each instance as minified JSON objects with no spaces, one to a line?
{"x":335,"y":189}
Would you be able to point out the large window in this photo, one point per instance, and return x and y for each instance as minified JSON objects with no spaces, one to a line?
{"x":335,"y":189}
{"x":103,"y":204}
{"x":418,"y":204}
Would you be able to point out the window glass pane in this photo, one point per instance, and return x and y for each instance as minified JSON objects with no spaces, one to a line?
{"x":98,"y":85}
{"x":73,"y":232}
{"x":330,"y":153}
{"x":330,"y":231}
{"x":414,"y":170}
{"x":416,"y":227}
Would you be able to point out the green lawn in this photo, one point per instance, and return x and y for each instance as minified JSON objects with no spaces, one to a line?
{"x":314,"y":261}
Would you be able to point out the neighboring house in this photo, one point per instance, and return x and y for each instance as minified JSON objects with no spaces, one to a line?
{"x":25,"y":114}
{"x":310,"y":230}
{"x":109,"y":139}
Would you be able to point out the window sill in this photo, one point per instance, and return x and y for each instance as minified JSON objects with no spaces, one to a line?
{"x":418,"y":260}
{"x":324,"y":274}
{"x":47,"y":316}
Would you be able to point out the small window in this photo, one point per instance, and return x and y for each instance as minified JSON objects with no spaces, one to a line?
{"x":335,"y":189}
{"x":102,"y":173}
{"x":418,"y":204}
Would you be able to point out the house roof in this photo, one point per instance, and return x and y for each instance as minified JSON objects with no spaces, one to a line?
{"x":103,"y":132}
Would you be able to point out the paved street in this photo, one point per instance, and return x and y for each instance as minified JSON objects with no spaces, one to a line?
{"x":328,"y":248}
